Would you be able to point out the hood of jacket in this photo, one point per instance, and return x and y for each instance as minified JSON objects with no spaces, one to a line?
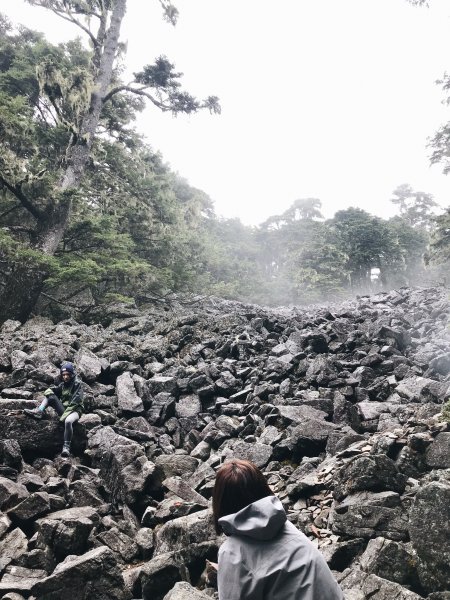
{"x":261,"y":520}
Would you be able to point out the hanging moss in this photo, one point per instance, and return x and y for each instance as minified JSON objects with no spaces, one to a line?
{"x":71,"y":92}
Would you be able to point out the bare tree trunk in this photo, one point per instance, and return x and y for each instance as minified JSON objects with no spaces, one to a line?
{"x":23,"y":284}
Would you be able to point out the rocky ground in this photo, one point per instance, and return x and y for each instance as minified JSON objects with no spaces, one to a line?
{"x":339,"y":406}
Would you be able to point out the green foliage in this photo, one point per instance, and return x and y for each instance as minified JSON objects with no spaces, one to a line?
{"x":440,"y":241}
{"x":446,"y":411}
{"x":415,"y":207}
{"x":111,"y":297}
{"x":137,"y":229}
{"x":95,"y":254}
{"x":230,"y":260}
{"x":406,"y":266}
{"x":321,"y":271}
{"x":65,"y":120}
{"x":366,"y":240}
{"x":16,"y":254}
{"x":304,"y":208}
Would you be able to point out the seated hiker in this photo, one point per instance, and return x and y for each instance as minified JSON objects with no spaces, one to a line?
{"x":67,"y":400}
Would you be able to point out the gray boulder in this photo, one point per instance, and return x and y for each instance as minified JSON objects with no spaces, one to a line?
{"x":13,"y":596}
{"x":188,"y":406}
{"x":176,"y":465}
{"x":120,"y":543}
{"x":375,"y":473}
{"x":422,"y":389}
{"x":184,"y":532}
{"x":441,"y":363}
{"x":184,"y":491}
{"x":162,"y":408}
{"x":158,"y":576}
{"x":390,"y":560}
{"x":11,"y":493}
{"x":369,"y":515}
{"x":5,"y":524}
{"x":94,"y":574}
{"x":89,"y":366}
{"x":20,"y":579}
{"x":127,"y":399}
{"x":46,"y":434}
{"x":298,"y":414}
{"x":184,"y":591}
{"x":160,"y":383}
{"x":12,"y":546}
{"x":36,"y":505}
{"x":310,"y":438}
{"x":67,"y":531}
{"x":438,"y":453}
{"x":358,"y":585}
{"x":429,"y":531}
{"x":259,"y":454}
{"x":124,"y":467}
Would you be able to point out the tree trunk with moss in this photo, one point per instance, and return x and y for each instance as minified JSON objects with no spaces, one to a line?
{"x":23,"y":284}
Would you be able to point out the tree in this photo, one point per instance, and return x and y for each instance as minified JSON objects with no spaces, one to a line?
{"x":230,"y":266}
{"x":406,"y":266}
{"x":367,"y":241}
{"x":415,"y":207}
{"x":300,"y":255}
{"x":279,"y":232}
{"x":440,"y":241}
{"x":317,"y":268}
{"x":304,"y":208}
{"x":70,"y":105}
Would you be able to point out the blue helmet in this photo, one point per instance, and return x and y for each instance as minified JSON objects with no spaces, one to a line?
{"x":68,"y":368}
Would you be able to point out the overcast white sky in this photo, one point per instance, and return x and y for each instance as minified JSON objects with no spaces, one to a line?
{"x":332,"y":99}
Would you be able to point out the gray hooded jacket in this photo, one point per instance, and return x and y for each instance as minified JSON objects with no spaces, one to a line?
{"x":266,"y":558}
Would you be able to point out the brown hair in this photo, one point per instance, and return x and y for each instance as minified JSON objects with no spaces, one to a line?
{"x":238,"y":483}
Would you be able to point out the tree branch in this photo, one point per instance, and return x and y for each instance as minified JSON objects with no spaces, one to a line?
{"x":138,"y":92}
{"x":169,"y":11}
{"x":68,"y":17}
{"x":72,"y":294}
{"x":25,"y":202}
{"x":77,"y":250}
{"x":78,"y":24}
{"x":76,"y":306}
{"x":8,"y":211}
{"x":87,"y":13}
{"x":20,"y":228}
{"x":65,"y":122}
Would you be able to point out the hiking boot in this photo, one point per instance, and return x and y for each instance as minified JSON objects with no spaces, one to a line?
{"x":66,"y":450}
{"x":35,"y":413}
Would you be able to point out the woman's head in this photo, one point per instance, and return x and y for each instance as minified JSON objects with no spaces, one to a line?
{"x":238,"y":484}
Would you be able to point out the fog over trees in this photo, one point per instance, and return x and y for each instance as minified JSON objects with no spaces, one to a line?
{"x":90,"y":213}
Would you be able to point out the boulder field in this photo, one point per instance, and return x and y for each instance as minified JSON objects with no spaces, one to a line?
{"x":340,"y":406}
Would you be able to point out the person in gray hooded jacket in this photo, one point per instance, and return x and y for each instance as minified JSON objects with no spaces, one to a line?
{"x":264,"y":556}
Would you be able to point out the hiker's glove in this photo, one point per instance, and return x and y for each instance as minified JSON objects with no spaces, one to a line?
{"x":48,"y":392}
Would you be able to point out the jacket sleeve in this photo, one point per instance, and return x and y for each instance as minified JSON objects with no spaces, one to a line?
{"x":57,"y":390}
{"x":234,"y":580}
{"x":323,"y":583}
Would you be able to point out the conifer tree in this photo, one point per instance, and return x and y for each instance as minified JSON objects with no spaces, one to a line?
{"x":68,"y":104}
